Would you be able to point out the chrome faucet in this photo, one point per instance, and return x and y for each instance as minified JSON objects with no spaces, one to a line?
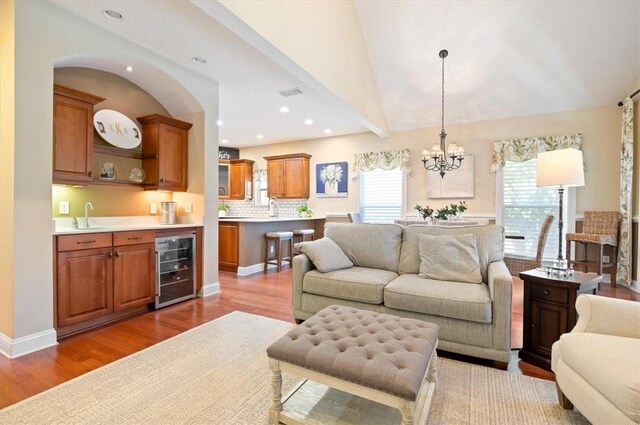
{"x":86,"y":214}
{"x":273,"y":206}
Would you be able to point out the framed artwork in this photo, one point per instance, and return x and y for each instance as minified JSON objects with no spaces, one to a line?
{"x":459,"y":183}
{"x":332,"y":179}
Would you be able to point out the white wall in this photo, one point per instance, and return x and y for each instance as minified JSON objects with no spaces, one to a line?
{"x":43,"y":34}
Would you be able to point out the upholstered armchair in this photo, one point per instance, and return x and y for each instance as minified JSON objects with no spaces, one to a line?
{"x":597,"y":364}
{"x":518,"y":263}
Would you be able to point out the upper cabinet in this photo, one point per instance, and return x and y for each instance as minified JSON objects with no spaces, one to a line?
{"x":72,"y":135}
{"x":165,"y":141}
{"x":241,"y":179}
{"x":288,"y":176}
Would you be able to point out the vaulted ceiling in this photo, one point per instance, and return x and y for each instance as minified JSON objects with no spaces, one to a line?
{"x":505,"y":59}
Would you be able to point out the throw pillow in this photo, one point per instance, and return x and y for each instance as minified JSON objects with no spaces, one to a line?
{"x":450,"y":258}
{"x":325,"y":254}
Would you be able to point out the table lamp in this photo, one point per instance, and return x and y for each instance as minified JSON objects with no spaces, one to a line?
{"x":562,"y":168}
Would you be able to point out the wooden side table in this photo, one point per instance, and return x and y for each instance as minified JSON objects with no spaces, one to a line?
{"x":550,"y":311}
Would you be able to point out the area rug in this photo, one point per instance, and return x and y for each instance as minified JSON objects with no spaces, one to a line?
{"x":217,"y":373}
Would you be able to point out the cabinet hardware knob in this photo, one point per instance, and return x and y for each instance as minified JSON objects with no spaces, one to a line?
{"x":110,"y":254}
{"x":161,"y":179}
{"x":546,"y":292}
{"x":533,"y":325}
{"x":135,"y":238}
{"x":90,"y":174}
{"x":118,"y":254}
{"x":84,"y":242}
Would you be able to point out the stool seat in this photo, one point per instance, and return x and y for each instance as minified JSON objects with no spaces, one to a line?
{"x":304,"y":232}
{"x":279,"y":234}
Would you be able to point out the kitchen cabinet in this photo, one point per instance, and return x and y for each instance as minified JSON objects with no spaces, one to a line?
{"x":224,"y":176}
{"x":165,"y":142}
{"x":228,"y":246}
{"x":241,"y":179}
{"x":72,"y":135}
{"x":288,"y":176}
{"x":133,"y":273}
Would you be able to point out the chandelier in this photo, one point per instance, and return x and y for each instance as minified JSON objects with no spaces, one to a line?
{"x":440,"y":154}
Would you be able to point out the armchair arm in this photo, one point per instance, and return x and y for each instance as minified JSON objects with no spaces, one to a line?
{"x":500,"y":284}
{"x":301,"y":265}
{"x":608,"y":316}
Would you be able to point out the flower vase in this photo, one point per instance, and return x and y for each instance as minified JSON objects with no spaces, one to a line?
{"x":330,"y":187}
{"x":222,"y":213}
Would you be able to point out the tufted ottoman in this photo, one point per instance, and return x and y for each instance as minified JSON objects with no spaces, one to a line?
{"x":382,"y":358}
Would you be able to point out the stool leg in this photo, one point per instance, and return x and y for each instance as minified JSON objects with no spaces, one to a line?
{"x":291,"y":252}
{"x":278,"y":255}
{"x":568,"y":254}
{"x":614,"y":266}
{"x":266,"y":256}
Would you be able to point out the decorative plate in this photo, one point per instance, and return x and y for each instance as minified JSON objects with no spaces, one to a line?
{"x":117,"y":129}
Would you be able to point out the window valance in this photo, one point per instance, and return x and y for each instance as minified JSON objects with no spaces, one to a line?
{"x":519,"y":150}
{"x":386,"y":160}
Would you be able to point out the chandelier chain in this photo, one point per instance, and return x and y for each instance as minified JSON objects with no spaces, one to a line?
{"x":443,"y":94}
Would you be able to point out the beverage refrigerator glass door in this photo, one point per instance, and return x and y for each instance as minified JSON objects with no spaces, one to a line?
{"x":175,"y":269}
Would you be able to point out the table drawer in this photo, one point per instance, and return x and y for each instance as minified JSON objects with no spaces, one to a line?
{"x":84,"y":241}
{"x":134,"y":238}
{"x":550,"y":293}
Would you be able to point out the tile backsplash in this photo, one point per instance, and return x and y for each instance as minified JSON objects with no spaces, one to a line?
{"x":286,"y":208}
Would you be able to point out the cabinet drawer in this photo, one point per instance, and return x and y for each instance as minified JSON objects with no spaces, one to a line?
{"x":550,"y":293}
{"x":133,"y":238}
{"x":84,"y":241}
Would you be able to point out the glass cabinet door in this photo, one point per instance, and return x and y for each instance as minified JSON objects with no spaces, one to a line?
{"x":223,"y":180}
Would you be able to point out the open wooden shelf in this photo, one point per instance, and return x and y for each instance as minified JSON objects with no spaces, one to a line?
{"x":125,"y":153}
{"x":106,"y":182}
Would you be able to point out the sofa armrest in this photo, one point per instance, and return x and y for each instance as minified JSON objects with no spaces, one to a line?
{"x":608,"y":316}
{"x":500,"y":288}
{"x":301,"y":265}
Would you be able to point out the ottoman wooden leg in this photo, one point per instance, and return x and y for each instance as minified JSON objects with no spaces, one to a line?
{"x":407,"y":409}
{"x":276,"y":393}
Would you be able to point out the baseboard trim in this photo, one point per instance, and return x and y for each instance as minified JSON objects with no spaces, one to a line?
{"x":209,"y":289}
{"x":254,"y":268}
{"x":14,"y":348}
{"x":635,"y":287}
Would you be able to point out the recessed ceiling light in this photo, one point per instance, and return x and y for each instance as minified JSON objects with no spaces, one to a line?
{"x":111,"y":14}
{"x":284,"y":109}
{"x":225,"y":141}
{"x":199,"y":60}
{"x":327,"y":131}
{"x":129,"y":68}
{"x":308,"y":122}
{"x":220,"y":123}
{"x":259,"y":136}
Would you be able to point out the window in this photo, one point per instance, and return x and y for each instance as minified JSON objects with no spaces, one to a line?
{"x":524,"y":207}
{"x":381,"y":195}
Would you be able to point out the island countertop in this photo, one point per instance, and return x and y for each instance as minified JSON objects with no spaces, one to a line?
{"x":245,"y":219}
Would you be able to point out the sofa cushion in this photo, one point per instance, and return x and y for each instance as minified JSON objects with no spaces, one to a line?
{"x":376,"y":246}
{"x":450,"y":258}
{"x":325,"y":254}
{"x":609,"y":363}
{"x":449,"y":299}
{"x":356,"y":284}
{"x":489,"y":241}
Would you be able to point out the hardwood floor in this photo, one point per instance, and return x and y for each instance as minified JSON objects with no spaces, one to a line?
{"x":267,"y":295}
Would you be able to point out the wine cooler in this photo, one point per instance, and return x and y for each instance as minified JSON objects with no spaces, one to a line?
{"x":175,"y":269}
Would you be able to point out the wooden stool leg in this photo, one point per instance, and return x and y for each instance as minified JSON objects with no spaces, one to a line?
{"x":614,"y":265}
{"x":586,"y":256}
{"x":278,"y":255}
{"x":266,"y":256}
{"x":568,"y":254}
{"x":291,"y":252}
{"x":600,"y":254}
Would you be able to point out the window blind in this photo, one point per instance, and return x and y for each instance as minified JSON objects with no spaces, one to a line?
{"x":524,"y":208}
{"x":380,"y":195}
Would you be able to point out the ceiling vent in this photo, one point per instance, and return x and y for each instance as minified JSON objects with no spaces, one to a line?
{"x":291,"y":92}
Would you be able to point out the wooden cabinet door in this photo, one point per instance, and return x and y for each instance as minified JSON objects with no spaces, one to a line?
{"x":228,"y":246}
{"x":237,"y":181}
{"x":133,"y":276}
{"x":275,"y":178}
{"x":84,"y":285}
{"x":72,"y":139}
{"x":548,"y":322}
{"x":296,"y":178}
{"x":172,"y":157}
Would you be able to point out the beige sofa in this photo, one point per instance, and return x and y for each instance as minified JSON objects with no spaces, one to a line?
{"x":597,"y":364}
{"x":474,"y":319}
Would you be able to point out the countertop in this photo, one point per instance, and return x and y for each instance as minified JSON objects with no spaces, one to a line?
{"x":267,"y":219}
{"x":124,"y":228}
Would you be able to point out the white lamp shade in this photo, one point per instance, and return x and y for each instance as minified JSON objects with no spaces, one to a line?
{"x":562,"y":167}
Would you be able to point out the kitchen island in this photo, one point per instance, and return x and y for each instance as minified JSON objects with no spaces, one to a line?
{"x":241,"y":243}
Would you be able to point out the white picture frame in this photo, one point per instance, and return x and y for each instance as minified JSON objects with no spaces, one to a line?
{"x":458,"y":183}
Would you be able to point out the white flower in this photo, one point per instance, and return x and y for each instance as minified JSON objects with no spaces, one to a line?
{"x":331,"y":173}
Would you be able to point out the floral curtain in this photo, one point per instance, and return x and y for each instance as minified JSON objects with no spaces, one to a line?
{"x":386,"y":160}
{"x":626,"y":182}
{"x":520,"y":150}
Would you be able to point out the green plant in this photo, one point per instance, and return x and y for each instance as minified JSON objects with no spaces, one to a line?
{"x":425,"y":212}
{"x":443,"y":213}
{"x":452,"y":210}
{"x":304,"y":210}
{"x":224,"y":207}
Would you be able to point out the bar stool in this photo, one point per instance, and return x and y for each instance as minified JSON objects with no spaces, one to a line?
{"x":302,"y":235}
{"x":278,"y":238}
